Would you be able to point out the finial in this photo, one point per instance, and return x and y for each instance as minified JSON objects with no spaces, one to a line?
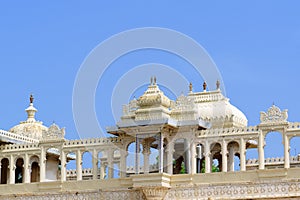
{"x":151,"y":80}
{"x":191,"y":87}
{"x":31,"y":110}
{"x":31,"y":98}
{"x":154,"y":80}
{"x":204,"y":86}
{"x":218,"y":84}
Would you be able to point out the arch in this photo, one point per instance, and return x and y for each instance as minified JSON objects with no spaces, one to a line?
{"x":274,"y":150}
{"x":34,"y":158}
{"x":200,"y":158}
{"x":129,"y":144}
{"x":131,"y":158}
{"x":180,"y":156}
{"x":35,"y":172}
{"x":251,"y":155}
{"x":19,"y":171}
{"x":71,"y":165}
{"x":52,"y":164}
{"x":216,"y":157}
{"x":151,"y":156}
{"x":233,"y":160}
{"x":87,"y":159}
{"x":4,"y":170}
{"x":35,"y":169}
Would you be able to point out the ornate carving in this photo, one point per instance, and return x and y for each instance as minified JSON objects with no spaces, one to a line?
{"x":155,"y":192}
{"x":274,"y":115}
{"x":233,"y":191}
{"x":54,"y":132}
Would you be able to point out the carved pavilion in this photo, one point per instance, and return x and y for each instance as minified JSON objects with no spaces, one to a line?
{"x":189,"y":137}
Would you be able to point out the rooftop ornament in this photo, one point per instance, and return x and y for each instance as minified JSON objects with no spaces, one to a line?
{"x":191,"y":87}
{"x":273,"y":115}
{"x":218,"y":85}
{"x":204,"y":86}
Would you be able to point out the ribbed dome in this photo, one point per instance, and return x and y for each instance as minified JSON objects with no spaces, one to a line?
{"x":30,"y":129}
{"x":216,"y":109}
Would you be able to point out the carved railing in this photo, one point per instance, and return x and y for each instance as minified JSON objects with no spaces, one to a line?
{"x":227,"y":131}
{"x":93,"y":141}
{"x":88,"y":172}
{"x":294,"y":126}
{"x":17,"y":137}
{"x":207,"y":97}
{"x":19,"y":146}
{"x":273,"y":161}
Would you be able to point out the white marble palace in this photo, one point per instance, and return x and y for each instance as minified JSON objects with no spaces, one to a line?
{"x":191,"y":148}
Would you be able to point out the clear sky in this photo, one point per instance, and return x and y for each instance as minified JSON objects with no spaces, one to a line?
{"x":256,"y":46}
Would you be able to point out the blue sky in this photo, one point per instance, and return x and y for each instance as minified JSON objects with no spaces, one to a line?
{"x":256,"y":46}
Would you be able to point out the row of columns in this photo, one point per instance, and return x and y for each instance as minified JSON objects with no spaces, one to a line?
{"x":12,"y":170}
{"x":191,"y":156}
{"x":105,"y":163}
{"x":227,"y":156}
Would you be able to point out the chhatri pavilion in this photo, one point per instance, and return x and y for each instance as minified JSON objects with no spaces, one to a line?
{"x":192,"y":147}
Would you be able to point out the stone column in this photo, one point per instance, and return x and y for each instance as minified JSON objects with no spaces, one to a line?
{"x":207,"y":158}
{"x":43,"y":165}
{"x":160,"y":154}
{"x":137,"y":155}
{"x":193,"y":158}
{"x":286,"y":143}
{"x":242,"y":155}
{"x":102,"y":170}
{"x":123,"y":163}
{"x":78,"y":165}
{"x":261,"y":153}
{"x":110,"y":165}
{"x":63,"y":163}
{"x":170,"y":152}
{"x":26,"y":169}
{"x":95,"y":164}
{"x":224,"y":156}
{"x":231,"y":159}
{"x":187,"y":159}
{"x":12,"y":168}
{"x":146,"y":153}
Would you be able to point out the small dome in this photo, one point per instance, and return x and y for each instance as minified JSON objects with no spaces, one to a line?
{"x":30,"y":128}
{"x":153,"y":97}
{"x":216,"y":109}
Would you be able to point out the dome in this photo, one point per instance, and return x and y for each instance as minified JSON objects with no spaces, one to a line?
{"x":30,"y":128}
{"x":216,"y":109}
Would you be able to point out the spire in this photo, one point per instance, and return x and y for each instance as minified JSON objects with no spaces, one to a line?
{"x":31,"y":110}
